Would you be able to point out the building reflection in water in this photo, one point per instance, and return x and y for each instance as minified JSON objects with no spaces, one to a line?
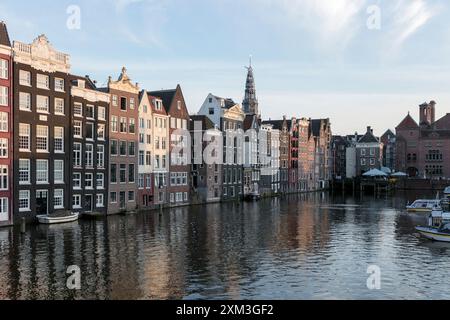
{"x":296,"y":246}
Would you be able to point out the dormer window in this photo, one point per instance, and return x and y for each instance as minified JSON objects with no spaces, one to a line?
{"x":81,"y":84}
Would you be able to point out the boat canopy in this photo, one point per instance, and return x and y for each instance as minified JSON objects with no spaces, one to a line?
{"x":375,"y":173}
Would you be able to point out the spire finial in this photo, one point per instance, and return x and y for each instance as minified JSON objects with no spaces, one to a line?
{"x":250,"y":60}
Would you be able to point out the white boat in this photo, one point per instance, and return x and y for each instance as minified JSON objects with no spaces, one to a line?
{"x":436,"y":234}
{"x":424,"y":206}
{"x":438,"y":228}
{"x":55,"y":219}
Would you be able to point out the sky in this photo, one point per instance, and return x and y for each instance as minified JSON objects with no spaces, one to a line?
{"x":358,"y":62}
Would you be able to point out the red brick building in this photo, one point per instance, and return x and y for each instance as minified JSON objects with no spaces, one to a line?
{"x":423,"y":149}
{"x":179,"y":182}
{"x":6,"y":128}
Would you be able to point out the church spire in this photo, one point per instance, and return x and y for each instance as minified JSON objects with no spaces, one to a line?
{"x":250,"y":103}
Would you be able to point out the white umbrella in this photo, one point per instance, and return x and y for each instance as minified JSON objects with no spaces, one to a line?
{"x":399,"y":174}
{"x":375,"y":173}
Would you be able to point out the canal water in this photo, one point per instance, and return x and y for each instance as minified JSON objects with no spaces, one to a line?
{"x":311,"y":246}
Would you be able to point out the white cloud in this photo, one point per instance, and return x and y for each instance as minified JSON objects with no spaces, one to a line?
{"x":409,"y":16}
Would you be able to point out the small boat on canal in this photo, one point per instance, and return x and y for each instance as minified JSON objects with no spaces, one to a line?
{"x":424,"y":206}
{"x":58,"y":218}
{"x":438,"y":228}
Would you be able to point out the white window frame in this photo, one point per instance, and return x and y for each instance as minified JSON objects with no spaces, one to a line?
{"x":25,"y":101}
{"x":78,"y":155}
{"x":60,"y":105}
{"x":25,"y":78}
{"x":24,"y":195}
{"x":58,"y":170}
{"x":4,"y":122}
{"x":22,"y":136}
{"x":42,"y":81}
{"x":78,"y":129}
{"x":26,"y":171}
{"x":100,"y":181}
{"x":40,"y":135}
{"x":100,"y":156}
{"x":59,"y":85}
{"x":100,"y":200}
{"x":4,"y":178}
{"x":77,"y":181}
{"x":4,"y":148}
{"x":89,"y":177}
{"x":4,"y":69}
{"x":41,"y":173}
{"x":101,"y":113}
{"x":42,"y":104}
{"x":76,"y":206}
{"x":4,"y":96}
{"x":58,"y":139}
{"x":58,"y":195}
{"x":89,"y":155}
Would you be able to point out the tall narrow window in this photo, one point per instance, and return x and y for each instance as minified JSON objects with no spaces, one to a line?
{"x":100,"y":181}
{"x":4,"y":122}
{"x":101,"y":132}
{"x":4,"y":73}
{"x":58,"y":199}
{"x":59,"y":171}
{"x":24,"y":137}
{"x":113,"y":173}
{"x":24,"y":101}
{"x":42,"y":81}
{"x":24,"y":171}
{"x":77,"y":150}
{"x":123,"y":125}
{"x":3,"y":96}
{"x":42,"y":104}
{"x":24,"y":200}
{"x":114,"y":124}
{"x":59,"y":106}
{"x":90,"y":114}
{"x":77,"y":180}
{"x":4,"y":178}
{"x":90,"y":131}
{"x":123,"y":104}
{"x":77,"y":129}
{"x":41,"y":138}
{"x":131,"y":173}
{"x":101,"y":113}
{"x":78,"y":110}
{"x":59,"y":84}
{"x":100,"y":156}
{"x":89,"y":155}
{"x":25,"y":78}
{"x":41,"y":171}
{"x":59,"y":139}
{"x":3,"y":148}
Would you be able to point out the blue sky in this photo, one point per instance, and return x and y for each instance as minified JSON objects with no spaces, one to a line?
{"x":312,"y":58}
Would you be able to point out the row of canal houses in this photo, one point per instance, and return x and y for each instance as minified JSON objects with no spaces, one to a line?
{"x":68,"y":145}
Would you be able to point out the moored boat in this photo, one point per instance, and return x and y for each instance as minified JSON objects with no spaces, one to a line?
{"x":58,"y":218}
{"x":253,"y":196}
{"x":438,"y":228}
{"x":424,"y":206}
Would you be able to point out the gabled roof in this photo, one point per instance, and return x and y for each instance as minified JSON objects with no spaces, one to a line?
{"x":388,"y":133}
{"x":408,"y":123}
{"x":368,"y":137}
{"x":166,"y":96}
{"x":4,"y":36}
{"x":248,"y":121}
{"x":316,"y":125}
{"x":229,"y":103}
{"x":443,"y":123}
{"x":154,"y":110}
